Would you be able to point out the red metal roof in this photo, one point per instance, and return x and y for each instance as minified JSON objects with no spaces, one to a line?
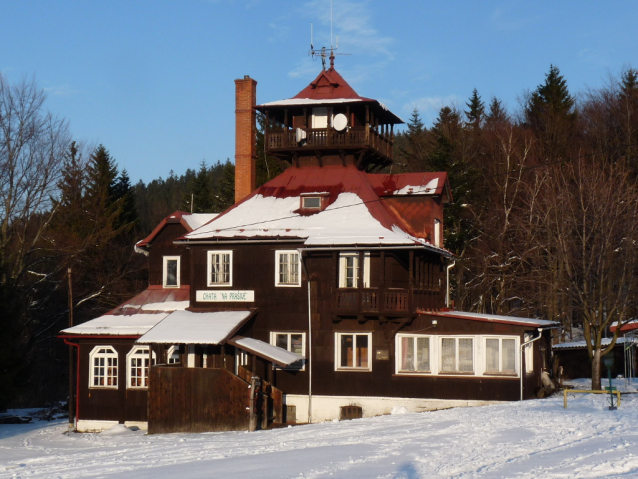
{"x":156,"y":295}
{"x":329,"y":85}
{"x":181,"y":217}
{"x":330,"y":182}
{"x":177,"y":217}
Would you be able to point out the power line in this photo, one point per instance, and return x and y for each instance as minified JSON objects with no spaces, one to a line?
{"x":382,"y":198}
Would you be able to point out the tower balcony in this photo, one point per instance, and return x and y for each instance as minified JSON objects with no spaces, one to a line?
{"x":284,"y":141}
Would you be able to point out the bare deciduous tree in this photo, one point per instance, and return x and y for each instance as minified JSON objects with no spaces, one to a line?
{"x":32,"y":146}
{"x":589,"y":212}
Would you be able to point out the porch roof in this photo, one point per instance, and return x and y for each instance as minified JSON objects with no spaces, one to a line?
{"x":187,"y":327}
{"x":279,"y":356}
{"x":495,"y":318}
{"x":117,"y":325}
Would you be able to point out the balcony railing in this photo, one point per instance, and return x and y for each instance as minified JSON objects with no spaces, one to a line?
{"x":385,"y":301}
{"x":357,"y":137}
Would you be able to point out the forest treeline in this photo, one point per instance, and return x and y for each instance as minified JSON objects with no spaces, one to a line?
{"x":544,"y":221}
{"x":545,"y":215}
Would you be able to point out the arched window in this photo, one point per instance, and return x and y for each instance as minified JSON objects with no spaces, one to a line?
{"x":103,"y":371}
{"x":138,"y":363}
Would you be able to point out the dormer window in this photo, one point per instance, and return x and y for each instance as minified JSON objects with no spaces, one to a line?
{"x":171,"y":274}
{"x":311,"y":202}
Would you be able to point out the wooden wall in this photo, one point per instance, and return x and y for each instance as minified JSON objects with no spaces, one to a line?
{"x":107,"y":404}
{"x":163,"y":246}
{"x":285,"y":309}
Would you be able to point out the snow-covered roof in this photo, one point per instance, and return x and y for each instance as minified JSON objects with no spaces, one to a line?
{"x":189,"y":221}
{"x":117,"y":325}
{"x":496,"y":318}
{"x":309,"y":101}
{"x":195,"y":220}
{"x":355,"y":213}
{"x":187,"y":327}
{"x":279,"y":356}
{"x":627,"y":326}
{"x":137,"y":315}
{"x":347,"y":221}
{"x":583,"y":344}
{"x":155,"y":298}
{"x":427,"y":189}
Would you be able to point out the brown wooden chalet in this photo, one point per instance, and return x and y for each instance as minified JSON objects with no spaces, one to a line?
{"x":320,"y":295}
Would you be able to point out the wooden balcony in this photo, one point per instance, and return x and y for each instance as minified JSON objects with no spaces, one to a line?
{"x":385,"y":302}
{"x":327,"y":138}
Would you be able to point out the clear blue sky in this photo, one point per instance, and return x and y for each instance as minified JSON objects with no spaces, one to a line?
{"x":153,"y":80}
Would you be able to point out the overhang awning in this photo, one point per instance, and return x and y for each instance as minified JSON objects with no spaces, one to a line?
{"x":279,"y":356}
{"x":187,"y":327}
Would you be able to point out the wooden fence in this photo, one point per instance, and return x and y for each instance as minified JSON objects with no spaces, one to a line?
{"x":196,"y":400}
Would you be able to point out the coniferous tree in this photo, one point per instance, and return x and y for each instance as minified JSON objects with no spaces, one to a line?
{"x":550,"y":112}
{"x":412,"y":147}
{"x":415,"y":124}
{"x":496,"y":114}
{"x":267,"y":166}
{"x":125,"y":193}
{"x":102,"y":172}
{"x":200,"y":191}
{"x":224,"y":195}
{"x":475,"y":111}
{"x":628,"y":103}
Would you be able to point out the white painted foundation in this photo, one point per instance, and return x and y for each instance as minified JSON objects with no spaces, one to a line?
{"x":328,"y":408}
{"x":88,"y":425}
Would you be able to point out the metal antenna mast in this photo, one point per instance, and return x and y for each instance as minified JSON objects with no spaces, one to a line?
{"x":323,"y":53}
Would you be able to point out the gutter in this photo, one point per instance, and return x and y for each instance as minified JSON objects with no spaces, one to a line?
{"x":434,"y":249}
{"x":300,"y":250}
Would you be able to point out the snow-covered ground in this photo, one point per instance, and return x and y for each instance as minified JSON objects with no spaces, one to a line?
{"x":532,"y":439}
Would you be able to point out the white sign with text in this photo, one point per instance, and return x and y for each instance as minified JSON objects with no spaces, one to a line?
{"x":225,"y":296}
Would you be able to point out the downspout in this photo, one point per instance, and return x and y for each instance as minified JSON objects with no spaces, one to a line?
{"x":303,"y":264}
{"x":447,"y":295}
{"x":540,"y":335}
{"x":77,"y":383}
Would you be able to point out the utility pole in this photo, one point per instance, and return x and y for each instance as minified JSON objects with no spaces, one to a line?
{"x":69,"y":274}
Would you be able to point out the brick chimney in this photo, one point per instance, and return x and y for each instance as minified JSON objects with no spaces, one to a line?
{"x":245,"y":169}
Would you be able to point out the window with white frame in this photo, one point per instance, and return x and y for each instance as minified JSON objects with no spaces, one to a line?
{"x":171,"y":272}
{"x":288,"y":267}
{"x":457,"y":355}
{"x":172,"y":355}
{"x":500,"y":356}
{"x":103,"y":373}
{"x":241,"y":359}
{"x":293,"y":342}
{"x":138,"y":360}
{"x":353,"y":351}
{"x":349,"y":269}
{"x":220,"y":268}
{"x":413,"y":353}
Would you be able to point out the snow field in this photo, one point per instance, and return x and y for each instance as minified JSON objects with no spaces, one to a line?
{"x":537,"y":438}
